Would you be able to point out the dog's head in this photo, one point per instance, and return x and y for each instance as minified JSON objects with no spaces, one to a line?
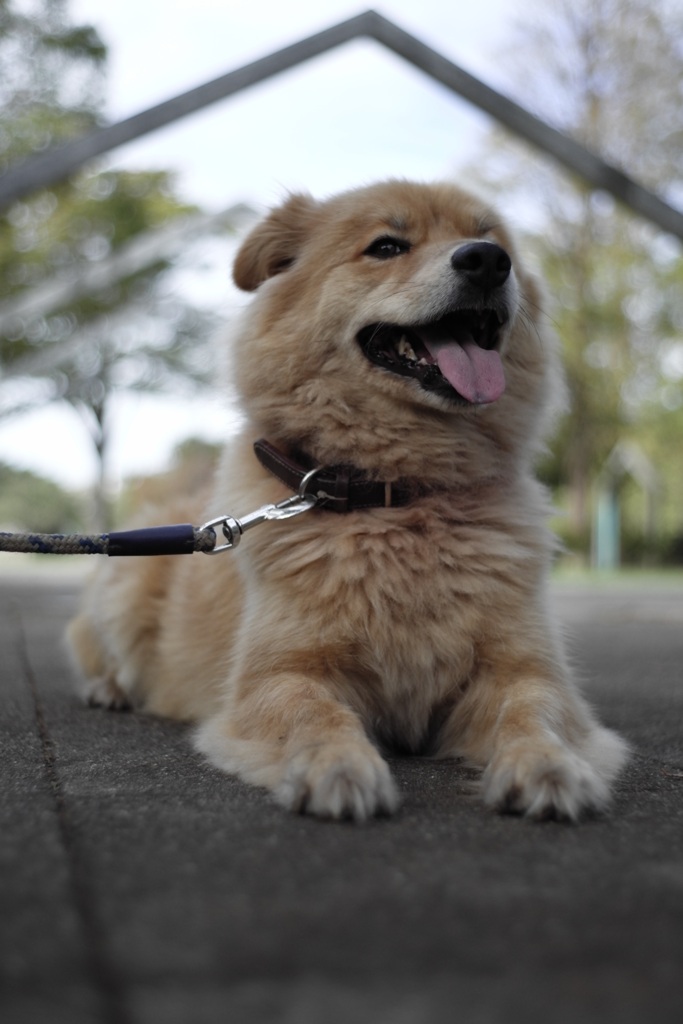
{"x":388,"y":310}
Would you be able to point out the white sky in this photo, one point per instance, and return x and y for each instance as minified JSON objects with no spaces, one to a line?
{"x":347,"y":118}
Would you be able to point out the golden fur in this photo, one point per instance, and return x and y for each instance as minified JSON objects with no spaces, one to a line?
{"x":328,"y":638}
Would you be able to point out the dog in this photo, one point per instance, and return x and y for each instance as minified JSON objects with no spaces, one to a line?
{"x":395,"y":363}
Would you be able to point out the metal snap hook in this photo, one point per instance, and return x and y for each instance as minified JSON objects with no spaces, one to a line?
{"x":288,"y":508}
{"x":232,"y":531}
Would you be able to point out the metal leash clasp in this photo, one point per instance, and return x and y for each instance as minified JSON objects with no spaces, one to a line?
{"x":295,"y":505}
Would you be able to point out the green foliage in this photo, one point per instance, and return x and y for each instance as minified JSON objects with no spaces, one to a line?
{"x":660,"y":435}
{"x":133,"y":333}
{"x":618,"y":318}
{"x":608,"y":73}
{"x":50,"y":77}
{"x":57,"y":232}
{"x":132,"y":330}
{"x":30,"y":502}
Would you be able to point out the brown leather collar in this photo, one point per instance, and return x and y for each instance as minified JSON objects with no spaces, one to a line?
{"x":337,"y":488}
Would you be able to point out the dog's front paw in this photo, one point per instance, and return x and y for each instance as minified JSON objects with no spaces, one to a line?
{"x":335,"y":781}
{"x":543,"y":781}
{"x":106,"y":693}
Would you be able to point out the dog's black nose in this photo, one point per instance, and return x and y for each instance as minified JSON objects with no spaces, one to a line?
{"x":484,"y":264}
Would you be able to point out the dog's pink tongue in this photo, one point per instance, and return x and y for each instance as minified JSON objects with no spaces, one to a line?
{"x":476,"y":373}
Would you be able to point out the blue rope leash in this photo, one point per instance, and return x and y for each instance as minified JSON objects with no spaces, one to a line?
{"x":181,"y":539}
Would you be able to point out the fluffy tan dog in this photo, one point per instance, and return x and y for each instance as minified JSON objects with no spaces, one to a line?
{"x":397,"y":341}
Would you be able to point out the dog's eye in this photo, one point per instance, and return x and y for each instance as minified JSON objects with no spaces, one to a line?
{"x":386,"y":247}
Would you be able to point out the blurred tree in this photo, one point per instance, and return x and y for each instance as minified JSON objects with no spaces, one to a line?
{"x":30,"y":502}
{"x":50,"y":76}
{"x":132,"y":330}
{"x":135,"y":332}
{"x":607,"y":72}
{"x":191,"y":470}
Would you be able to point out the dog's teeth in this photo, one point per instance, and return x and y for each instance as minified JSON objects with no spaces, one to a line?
{"x":405,"y":349}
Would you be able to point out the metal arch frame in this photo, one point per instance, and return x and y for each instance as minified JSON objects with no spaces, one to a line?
{"x":58,"y":162}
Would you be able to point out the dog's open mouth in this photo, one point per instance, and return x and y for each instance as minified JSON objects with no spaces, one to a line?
{"x":456,"y":356}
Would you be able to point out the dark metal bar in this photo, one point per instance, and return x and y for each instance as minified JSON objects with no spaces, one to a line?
{"x":57,"y":163}
{"x":60,"y":161}
{"x":566,"y":150}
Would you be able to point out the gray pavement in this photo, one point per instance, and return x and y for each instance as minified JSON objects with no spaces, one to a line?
{"x":140,"y":886}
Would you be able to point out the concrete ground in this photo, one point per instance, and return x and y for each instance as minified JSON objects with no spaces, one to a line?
{"x":139,"y":886}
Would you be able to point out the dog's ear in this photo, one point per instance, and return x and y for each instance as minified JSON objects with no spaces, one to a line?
{"x":275,"y":243}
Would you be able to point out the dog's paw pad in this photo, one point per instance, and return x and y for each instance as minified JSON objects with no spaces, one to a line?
{"x":542,"y":783}
{"x":331,"y":782}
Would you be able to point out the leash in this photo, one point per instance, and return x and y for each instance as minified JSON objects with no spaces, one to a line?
{"x":178,"y":539}
{"x":337,"y":489}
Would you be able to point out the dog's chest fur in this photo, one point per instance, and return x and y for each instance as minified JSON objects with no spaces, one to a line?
{"x":401,"y":601}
